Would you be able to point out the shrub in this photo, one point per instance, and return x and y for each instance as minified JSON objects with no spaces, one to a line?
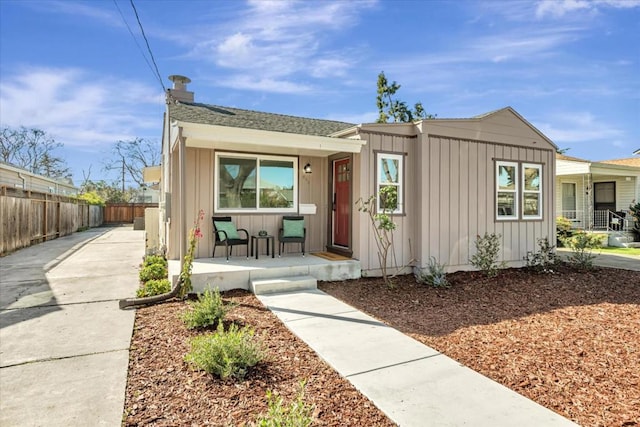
{"x":226,"y":354}
{"x":545,"y":259}
{"x":581,"y":245}
{"x":154,"y":259}
{"x":153,"y":272}
{"x":297,"y":414}
{"x":486,"y":256}
{"x":207,"y":311}
{"x":154,"y":287}
{"x":433,"y":275}
{"x":563,"y":230}
{"x":634,"y":210}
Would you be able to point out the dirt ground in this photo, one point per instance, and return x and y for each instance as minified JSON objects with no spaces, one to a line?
{"x":570,"y":341}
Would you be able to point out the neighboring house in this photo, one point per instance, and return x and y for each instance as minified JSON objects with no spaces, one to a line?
{"x":18,"y":178}
{"x":597,"y":195}
{"x":455,"y":179}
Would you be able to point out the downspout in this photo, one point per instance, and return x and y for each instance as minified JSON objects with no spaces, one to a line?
{"x":24,"y":181}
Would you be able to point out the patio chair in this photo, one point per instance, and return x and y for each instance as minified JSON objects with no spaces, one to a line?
{"x":227,"y":235}
{"x":292,"y":231}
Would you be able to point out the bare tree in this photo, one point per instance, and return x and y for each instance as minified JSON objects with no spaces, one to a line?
{"x":33,"y":150}
{"x":132,"y":156}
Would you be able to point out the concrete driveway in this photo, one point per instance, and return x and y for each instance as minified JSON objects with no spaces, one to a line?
{"x":64,"y":344}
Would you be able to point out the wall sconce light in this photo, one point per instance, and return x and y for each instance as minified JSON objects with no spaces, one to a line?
{"x":307,"y":168}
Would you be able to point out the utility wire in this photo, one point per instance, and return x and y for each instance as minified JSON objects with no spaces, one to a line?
{"x":135,"y":40}
{"x":144,"y":36}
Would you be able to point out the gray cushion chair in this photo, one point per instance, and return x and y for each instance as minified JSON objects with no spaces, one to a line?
{"x":227,"y":235}
{"x":292,"y":231}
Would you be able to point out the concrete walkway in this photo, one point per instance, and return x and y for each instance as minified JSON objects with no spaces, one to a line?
{"x":64,"y":344}
{"x":410,"y":382}
{"x":603,"y":259}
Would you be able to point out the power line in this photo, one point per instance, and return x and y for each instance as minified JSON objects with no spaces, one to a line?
{"x":144,"y":36}
{"x":135,"y":40}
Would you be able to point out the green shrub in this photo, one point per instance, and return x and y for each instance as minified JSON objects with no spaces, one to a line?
{"x":582,"y":245}
{"x":297,"y":414}
{"x":545,"y":260}
{"x":564,"y":230}
{"x":207,"y":311}
{"x":486,"y":256}
{"x":433,"y":275}
{"x":634,"y":211}
{"x":155,"y":259}
{"x":154,"y":287}
{"x":226,"y":353}
{"x":153,"y":272}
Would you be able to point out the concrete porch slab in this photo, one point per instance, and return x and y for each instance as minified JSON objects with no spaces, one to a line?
{"x":238,"y":272}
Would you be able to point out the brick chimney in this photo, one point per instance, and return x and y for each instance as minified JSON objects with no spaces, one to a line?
{"x":179,"y":91}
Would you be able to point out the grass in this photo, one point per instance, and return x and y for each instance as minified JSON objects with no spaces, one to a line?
{"x":620,"y":251}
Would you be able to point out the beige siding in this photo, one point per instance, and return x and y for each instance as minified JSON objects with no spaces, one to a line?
{"x":364,"y":243}
{"x":200,"y":195}
{"x":458,"y":199}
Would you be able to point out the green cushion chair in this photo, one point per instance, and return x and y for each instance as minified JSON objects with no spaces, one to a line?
{"x":227,"y":235}
{"x":292,"y":231}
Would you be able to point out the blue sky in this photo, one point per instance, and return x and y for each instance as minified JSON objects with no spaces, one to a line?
{"x":72,"y":69}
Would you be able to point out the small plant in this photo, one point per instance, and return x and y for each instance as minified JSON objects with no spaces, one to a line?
{"x":153,"y":272}
{"x":154,"y":287}
{"x":433,"y":275}
{"x":486,"y":256}
{"x":564,"y":230}
{"x":154,"y":259}
{"x":582,"y":245}
{"x":634,"y":210}
{"x":297,"y":414}
{"x":545,"y":260}
{"x":209,"y":310}
{"x":227,"y":354}
{"x":187,"y":266}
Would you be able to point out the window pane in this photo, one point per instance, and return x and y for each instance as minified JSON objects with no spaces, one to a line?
{"x":506,"y":204}
{"x":531,"y":204}
{"x":388,"y":170}
{"x":388,"y":197}
{"x":276,"y":183}
{"x":507,"y":177}
{"x":531,"y":179}
{"x":237,"y":182}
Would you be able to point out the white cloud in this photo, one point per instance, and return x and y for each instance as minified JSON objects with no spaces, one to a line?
{"x":580,"y":127}
{"x":558,"y":9}
{"x":78,"y":109}
{"x":282,"y":42}
{"x":262,"y":84}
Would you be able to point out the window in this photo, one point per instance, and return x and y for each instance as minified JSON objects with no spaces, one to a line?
{"x":507,"y":190}
{"x":532,"y":191}
{"x":245,"y":183}
{"x":516,"y":192}
{"x":569,"y":200}
{"x":389,"y":182}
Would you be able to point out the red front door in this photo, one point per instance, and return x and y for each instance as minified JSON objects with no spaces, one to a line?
{"x":341,"y":201}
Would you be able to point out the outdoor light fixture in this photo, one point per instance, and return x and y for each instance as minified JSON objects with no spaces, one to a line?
{"x":307,"y":168}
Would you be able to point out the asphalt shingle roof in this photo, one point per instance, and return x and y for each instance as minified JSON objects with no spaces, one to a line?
{"x":235,"y":117}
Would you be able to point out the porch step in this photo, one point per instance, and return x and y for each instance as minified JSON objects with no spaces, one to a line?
{"x":283,"y":284}
{"x":621,"y":240}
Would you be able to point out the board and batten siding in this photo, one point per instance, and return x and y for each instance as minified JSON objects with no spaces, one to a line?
{"x":364,"y":186}
{"x":457,"y":196}
{"x":200,"y":170}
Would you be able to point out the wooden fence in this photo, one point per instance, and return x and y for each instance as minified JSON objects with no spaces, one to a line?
{"x":125,"y":212}
{"x":30,"y":217}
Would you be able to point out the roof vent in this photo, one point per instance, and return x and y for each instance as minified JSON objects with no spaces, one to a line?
{"x":179,"y":91}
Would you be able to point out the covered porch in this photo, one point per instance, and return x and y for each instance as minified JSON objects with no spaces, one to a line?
{"x":240,"y":271}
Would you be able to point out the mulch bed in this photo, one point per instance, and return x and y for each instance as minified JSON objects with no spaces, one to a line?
{"x":570,"y":341}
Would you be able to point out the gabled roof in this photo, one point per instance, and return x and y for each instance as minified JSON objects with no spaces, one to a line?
{"x":571,"y":159}
{"x":247,"y":119}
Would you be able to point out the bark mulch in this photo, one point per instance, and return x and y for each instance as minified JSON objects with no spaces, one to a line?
{"x":570,"y":341}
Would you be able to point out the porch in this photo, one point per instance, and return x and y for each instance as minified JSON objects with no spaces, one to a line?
{"x":599,"y":220}
{"x":240,"y":271}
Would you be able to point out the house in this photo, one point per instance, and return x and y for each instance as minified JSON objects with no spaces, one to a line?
{"x":597,"y":195}
{"x":454,"y":179}
{"x":21,"y":179}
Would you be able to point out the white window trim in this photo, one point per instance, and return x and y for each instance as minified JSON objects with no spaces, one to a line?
{"x":516,"y":192}
{"x":258,"y":157}
{"x":538,"y":192}
{"x":400,"y":184}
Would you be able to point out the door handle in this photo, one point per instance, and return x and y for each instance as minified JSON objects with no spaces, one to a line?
{"x":334,"y":202}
